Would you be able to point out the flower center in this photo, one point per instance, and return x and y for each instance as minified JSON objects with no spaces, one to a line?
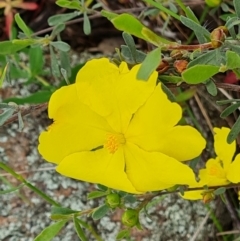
{"x":113,"y":142}
{"x":217,"y":171}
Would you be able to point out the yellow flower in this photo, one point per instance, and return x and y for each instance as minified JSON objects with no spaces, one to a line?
{"x":113,"y":129}
{"x":219,"y":171}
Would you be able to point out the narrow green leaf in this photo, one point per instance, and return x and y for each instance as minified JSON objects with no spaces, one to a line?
{"x":236,"y":4}
{"x":59,"y":213}
{"x":202,"y":34}
{"x":6,"y":115}
{"x":108,"y":15}
{"x":2,"y":78}
{"x":230,"y":23}
{"x":86,"y":24}
{"x":185,"y":95}
{"x":168,"y":92}
{"x":211,"y":87}
{"x":233,"y":60}
{"x":74,"y":4}
{"x":20,"y":122}
{"x":199,"y":73}
{"x":21,"y":24}
{"x":96,"y":194}
{"x":51,"y":231}
{"x":14,"y":189}
{"x":102,"y":187}
{"x":35,"y":98}
{"x":11,"y":47}
{"x":61,"y":46}
{"x":131,"y":45}
{"x":123,"y":234}
{"x":224,"y":102}
{"x":149,"y":64}
{"x":62,"y":18}
{"x":79,"y":229}
{"x":190,"y":14}
{"x":36,"y":60}
{"x":229,"y":110}
{"x":100,"y":212}
{"x":234,"y":131}
{"x":220,"y":191}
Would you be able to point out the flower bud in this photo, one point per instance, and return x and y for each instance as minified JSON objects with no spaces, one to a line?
{"x":130,"y":217}
{"x":213,"y":3}
{"x":208,"y":196}
{"x":180,"y":65}
{"x":113,"y":200}
{"x":218,"y":36}
{"x":163,"y":66}
{"x":176,"y":54}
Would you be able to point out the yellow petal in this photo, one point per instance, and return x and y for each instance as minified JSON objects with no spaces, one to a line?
{"x":98,"y":167}
{"x":113,"y":92}
{"x":224,"y":150}
{"x":150,"y":123}
{"x":152,"y":171}
{"x":233,"y":173}
{"x":193,"y":195}
{"x":182,"y":143}
{"x":76,"y":127}
{"x":213,"y":174}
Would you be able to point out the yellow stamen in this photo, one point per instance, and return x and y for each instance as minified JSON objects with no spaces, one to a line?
{"x":114,"y":141}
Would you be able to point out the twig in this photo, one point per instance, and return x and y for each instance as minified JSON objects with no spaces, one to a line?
{"x":25,"y":111}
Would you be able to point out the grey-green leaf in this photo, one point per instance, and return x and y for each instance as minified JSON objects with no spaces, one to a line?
{"x":62,"y":18}
{"x":6,"y":115}
{"x":61,"y":46}
{"x":86,"y":24}
{"x":211,"y":87}
{"x":21,"y":24}
{"x":229,"y":110}
{"x":234,"y":131}
{"x":100,"y":212}
{"x":79,"y":230}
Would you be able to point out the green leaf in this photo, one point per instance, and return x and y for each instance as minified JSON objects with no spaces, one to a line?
{"x":5,"y":115}
{"x":185,"y":95}
{"x":21,"y":24}
{"x":202,"y":34}
{"x":220,"y":191}
{"x":129,"y":24}
{"x":96,"y":194}
{"x":229,"y":110}
{"x":36,"y":98}
{"x":74,"y":4}
{"x":168,"y":92}
{"x":51,"y":231}
{"x":36,"y":60}
{"x":58,"y":213}
{"x":86,"y":24}
{"x":233,"y":60}
{"x":123,"y":234}
{"x":62,"y":18}
{"x":61,"y":46}
{"x":231,"y":22}
{"x":2,"y":78}
{"x":100,"y":212}
{"x":108,"y":15}
{"x":234,"y":131}
{"x":171,"y":79}
{"x":102,"y":187}
{"x":149,"y":64}
{"x":79,"y":229}
{"x":199,"y":73}
{"x":236,"y":4}
{"x":11,"y":47}
{"x":211,"y":87}
{"x":57,"y":29}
